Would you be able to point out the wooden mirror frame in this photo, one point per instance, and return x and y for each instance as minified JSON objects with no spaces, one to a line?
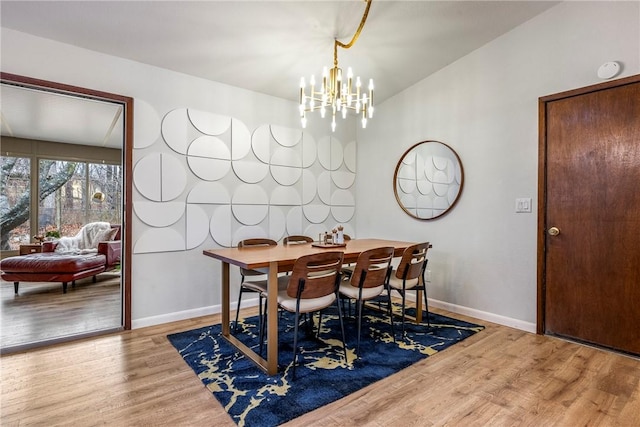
{"x":441,"y":193}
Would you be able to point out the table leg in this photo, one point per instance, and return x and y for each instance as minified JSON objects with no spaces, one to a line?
{"x":272,"y":320}
{"x":418,"y":307}
{"x":225,"y":299}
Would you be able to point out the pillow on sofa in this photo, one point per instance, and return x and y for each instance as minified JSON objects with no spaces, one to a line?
{"x":106,"y":235}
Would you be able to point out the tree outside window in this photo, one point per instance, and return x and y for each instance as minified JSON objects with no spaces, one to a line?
{"x":64,"y":195}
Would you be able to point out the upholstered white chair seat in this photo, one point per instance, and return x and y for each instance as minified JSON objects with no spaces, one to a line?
{"x":348,"y":269}
{"x":352,"y":292}
{"x":261,"y":285}
{"x":396,"y":283}
{"x":306,"y":304}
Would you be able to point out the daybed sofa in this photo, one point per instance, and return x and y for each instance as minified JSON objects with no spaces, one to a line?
{"x":65,"y":267}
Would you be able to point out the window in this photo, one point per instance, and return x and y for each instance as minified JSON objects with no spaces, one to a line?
{"x":73,"y":194}
{"x":46,"y":194}
{"x":105,"y":190}
{"x":15,"y":202}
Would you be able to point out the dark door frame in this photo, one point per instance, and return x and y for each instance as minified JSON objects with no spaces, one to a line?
{"x":127,"y":149}
{"x":542,"y":182}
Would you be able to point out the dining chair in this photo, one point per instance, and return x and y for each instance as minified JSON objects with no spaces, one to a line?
{"x":312,"y":287}
{"x":370,"y":275}
{"x":254,"y":280}
{"x":409,"y":276}
{"x":297,"y":240}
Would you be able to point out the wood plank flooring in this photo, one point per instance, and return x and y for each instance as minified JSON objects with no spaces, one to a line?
{"x":41,"y":311}
{"x":498,"y":377}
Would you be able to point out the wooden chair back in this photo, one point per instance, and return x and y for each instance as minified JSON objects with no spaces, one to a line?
{"x":297,"y":240}
{"x":372,"y":267}
{"x":254,"y":243}
{"x":315,"y":275}
{"x":413,"y":261}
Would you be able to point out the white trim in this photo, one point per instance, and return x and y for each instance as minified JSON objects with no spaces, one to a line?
{"x":482,"y":315}
{"x":454,"y":308}
{"x":188,"y":314}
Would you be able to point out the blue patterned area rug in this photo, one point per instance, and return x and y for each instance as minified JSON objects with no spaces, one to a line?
{"x":253,"y":398}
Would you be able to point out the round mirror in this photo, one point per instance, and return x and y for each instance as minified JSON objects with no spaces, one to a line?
{"x":428,"y":180}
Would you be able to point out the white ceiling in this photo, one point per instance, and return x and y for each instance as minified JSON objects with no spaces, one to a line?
{"x":48,"y":116}
{"x":266,"y":46}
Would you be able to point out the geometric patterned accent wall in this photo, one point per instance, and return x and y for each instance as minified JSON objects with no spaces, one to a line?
{"x":231,"y":183}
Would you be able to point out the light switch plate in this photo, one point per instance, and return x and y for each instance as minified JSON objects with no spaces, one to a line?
{"x":523,"y":205}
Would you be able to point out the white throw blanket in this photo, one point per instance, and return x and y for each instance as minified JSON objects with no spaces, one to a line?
{"x":86,"y":241}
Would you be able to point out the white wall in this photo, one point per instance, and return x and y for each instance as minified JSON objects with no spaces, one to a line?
{"x":169,"y":282}
{"x":485,"y":106}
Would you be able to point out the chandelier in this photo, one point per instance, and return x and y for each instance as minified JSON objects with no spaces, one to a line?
{"x":334,"y":93}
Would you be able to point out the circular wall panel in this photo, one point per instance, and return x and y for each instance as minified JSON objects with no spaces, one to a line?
{"x":315,"y":213}
{"x":159,"y":214}
{"x":309,"y":187}
{"x":249,"y":204}
{"x":261,"y":143}
{"x":177,"y":130}
{"x":309,"y":150}
{"x":277,"y":223}
{"x":159,"y":177}
{"x":285,"y":175}
{"x":209,"y":193}
{"x":240,"y":140}
{"x":295,"y":221}
{"x":330,"y":153}
{"x":197,"y":226}
{"x":250,"y":171}
{"x":147,"y":128}
{"x":209,"y":123}
{"x":220,"y":226}
{"x":209,"y":158}
{"x":287,"y":137}
{"x":285,"y":196}
{"x":350,"y":156}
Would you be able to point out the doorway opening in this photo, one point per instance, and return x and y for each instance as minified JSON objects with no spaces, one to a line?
{"x":66,"y":163}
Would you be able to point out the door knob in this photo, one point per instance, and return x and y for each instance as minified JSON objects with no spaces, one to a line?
{"x":553,"y":231}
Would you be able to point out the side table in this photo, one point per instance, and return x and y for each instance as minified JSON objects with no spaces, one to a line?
{"x":33,"y":248}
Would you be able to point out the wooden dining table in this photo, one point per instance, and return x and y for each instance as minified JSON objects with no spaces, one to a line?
{"x":274,"y":260}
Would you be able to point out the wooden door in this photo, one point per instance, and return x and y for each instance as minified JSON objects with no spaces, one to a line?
{"x":589,"y":186}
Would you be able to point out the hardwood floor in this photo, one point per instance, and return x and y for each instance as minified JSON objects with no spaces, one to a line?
{"x":498,"y":377}
{"x":41,"y":311}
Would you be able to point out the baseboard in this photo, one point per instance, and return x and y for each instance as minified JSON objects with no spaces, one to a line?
{"x":454,"y":308}
{"x":481,"y":315}
{"x":187,"y":314}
